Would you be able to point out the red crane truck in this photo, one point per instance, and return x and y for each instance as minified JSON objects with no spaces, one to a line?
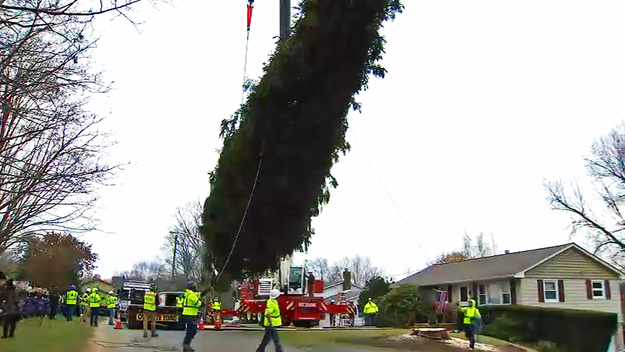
{"x":296,"y":306}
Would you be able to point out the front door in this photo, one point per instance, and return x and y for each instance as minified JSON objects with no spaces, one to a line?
{"x":464,"y":294}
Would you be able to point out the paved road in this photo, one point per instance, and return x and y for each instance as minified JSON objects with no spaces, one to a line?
{"x":106,"y":339}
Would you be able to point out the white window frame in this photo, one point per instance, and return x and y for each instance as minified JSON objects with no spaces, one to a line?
{"x":506,"y":289}
{"x":481,"y":294}
{"x":548,"y":300}
{"x":460,"y":293}
{"x":592,"y":282}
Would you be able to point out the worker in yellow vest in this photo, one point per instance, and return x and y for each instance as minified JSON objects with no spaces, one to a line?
{"x":216,"y":308}
{"x":111,"y":303}
{"x":271,"y":320}
{"x":84,"y":305}
{"x":370,"y":310}
{"x":191,"y":304}
{"x":94,"y":306}
{"x":71,"y":297}
{"x":470,"y":314}
{"x":149,"y":313}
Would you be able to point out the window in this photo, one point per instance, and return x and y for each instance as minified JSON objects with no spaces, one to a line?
{"x":551,"y":290}
{"x":505,"y":294}
{"x":464,"y":294}
{"x":598,"y":290}
{"x":481,"y":295}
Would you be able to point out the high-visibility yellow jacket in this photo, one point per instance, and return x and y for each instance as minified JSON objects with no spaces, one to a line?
{"x":217,"y":305}
{"x":471,"y":312}
{"x":71,"y":297}
{"x":111,"y":301}
{"x":272,"y":310}
{"x":191,"y":303}
{"x":179,"y":301}
{"x":149,"y":301}
{"x":370,"y":308}
{"x":94,"y":300}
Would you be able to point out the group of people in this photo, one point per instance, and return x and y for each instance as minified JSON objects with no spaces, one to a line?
{"x":90,"y":304}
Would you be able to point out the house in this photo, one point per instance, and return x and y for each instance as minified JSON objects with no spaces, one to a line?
{"x":564,"y":276}
{"x":343,"y":292}
{"x":331,"y":292}
{"x":103,"y":286}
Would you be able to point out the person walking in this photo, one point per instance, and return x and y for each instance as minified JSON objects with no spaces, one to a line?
{"x":471,"y":313}
{"x":54,"y":302}
{"x":111,"y":303}
{"x":85,"y":308}
{"x":216,"y":307}
{"x":191,"y":304}
{"x":149,"y":313}
{"x":270,"y":322}
{"x":370,"y":310}
{"x":94,"y":306}
{"x":71,"y":297}
{"x":10,"y":308}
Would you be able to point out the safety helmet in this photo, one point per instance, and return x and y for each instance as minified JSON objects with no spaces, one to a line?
{"x":88,"y":289}
{"x":369,"y":298}
{"x":72,"y":287}
{"x":274,"y":294}
{"x":216,"y":299}
{"x":95,"y":289}
{"x":111,"y":293}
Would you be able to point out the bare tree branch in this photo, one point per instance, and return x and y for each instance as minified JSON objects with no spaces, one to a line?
{"x":606,"y":167}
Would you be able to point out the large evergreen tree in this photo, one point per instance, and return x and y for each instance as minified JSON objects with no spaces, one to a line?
{"x":290,"y":132}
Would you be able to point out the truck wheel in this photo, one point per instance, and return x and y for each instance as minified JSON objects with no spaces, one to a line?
{"x":133,"y":324}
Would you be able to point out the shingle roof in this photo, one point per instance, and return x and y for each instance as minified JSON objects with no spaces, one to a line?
{"x":498,"y":266}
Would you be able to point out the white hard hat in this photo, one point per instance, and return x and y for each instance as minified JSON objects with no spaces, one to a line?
{"x":274,"y":293}
{"x":111,"y":293}
{"x":88,"y":289}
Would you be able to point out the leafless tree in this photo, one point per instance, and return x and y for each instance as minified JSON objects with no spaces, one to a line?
{"x":606,"y":167}
{"x":479,"y":246}
{"x":321,"y":269}
{"x":50,"y":146}
{"x":190,"y":248}
{"x":361,"y":268}
{"x":146,"y":271}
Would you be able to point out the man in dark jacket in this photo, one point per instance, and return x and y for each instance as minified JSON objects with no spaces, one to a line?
{"x":54,"y":302}
{"x":9,"y":306}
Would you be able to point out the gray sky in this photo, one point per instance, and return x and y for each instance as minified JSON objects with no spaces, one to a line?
{"x":483,"y":99}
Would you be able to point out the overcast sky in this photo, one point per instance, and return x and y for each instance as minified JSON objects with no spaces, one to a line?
{"x":483,"y":99}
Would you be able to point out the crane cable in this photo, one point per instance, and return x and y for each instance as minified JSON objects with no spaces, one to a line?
{"x":250,"y":8}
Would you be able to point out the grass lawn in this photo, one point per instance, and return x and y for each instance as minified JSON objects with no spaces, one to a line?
{"x":53,"y":336}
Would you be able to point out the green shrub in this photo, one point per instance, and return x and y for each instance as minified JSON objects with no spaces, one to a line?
{"x":571,"y":330}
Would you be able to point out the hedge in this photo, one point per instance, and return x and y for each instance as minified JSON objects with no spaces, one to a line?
{"x":571,"y":330}
{"x":294,"y":120}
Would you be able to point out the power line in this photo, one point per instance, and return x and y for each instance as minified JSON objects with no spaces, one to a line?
{"x":387,"y":191}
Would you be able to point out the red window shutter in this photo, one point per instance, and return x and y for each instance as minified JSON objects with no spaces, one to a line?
{"x":541,"y":291}
{"x":606,"y":285}
{"x":588,"y":289}
{"x":449,"y":294}
{"x":513,"y":291}
{"x":561,"y":290}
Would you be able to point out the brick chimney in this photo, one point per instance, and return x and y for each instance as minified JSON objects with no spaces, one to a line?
{"x":347,"y":280}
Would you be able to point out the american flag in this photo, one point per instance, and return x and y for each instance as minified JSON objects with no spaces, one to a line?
{"x":441,"y":301}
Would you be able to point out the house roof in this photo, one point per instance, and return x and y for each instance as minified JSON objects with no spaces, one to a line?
{"x":349,"y":296}
{"x":337,"y":283}
{"x":493,"y":267}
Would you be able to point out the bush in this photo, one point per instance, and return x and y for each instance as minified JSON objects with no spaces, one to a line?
{"x":571,"y":330}
{"x":402,"y":307}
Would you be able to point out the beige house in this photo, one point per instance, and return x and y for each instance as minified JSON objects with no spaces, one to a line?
{"x":564,"y":276}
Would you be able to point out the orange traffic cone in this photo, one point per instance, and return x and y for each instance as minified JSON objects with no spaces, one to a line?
{"x":201,"y":324}
{"x":118,"y":323}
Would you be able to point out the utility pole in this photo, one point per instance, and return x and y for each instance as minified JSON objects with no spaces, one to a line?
{"x":173,"y":261}
{"x":285,"y":19}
